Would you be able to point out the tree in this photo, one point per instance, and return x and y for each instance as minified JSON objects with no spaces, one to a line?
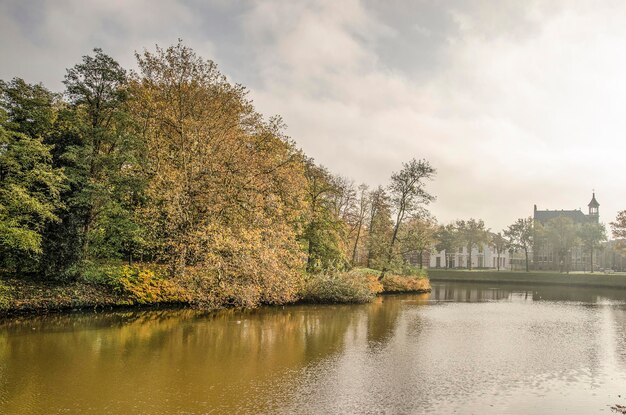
{"x":562,"y":235}
{"x":499,"y":243}
{"x":448,"y":240}
{"x":363,"y":205}
{"x":618,"y":227}
{"x":592,"y":235}
{"x":379,"y":228}
{"x":30,"y":109}
{"x":408,"y":196}
{"x":417,"y":236}
{"x":323,"y":233}
{"x":521,"y":236}
{"x":29,"y":196}
{"x":226,"y":190}
{"x":473,"y":234}
{"x":97,"y":90}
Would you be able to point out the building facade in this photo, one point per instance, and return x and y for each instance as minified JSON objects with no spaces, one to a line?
{"x":483,"y":256}
{"x":545,"y":257}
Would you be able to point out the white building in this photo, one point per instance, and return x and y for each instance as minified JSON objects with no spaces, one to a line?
{"x":484,"y":256}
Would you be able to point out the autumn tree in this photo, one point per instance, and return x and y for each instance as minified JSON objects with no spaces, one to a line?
{"x":408,"y":198}
{"x":362,"y":207}
{"x":379,"y":227}
{"x":225,"y":188}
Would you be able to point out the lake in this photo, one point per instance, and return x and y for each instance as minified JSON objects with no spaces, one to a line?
{"x":465,"y":349}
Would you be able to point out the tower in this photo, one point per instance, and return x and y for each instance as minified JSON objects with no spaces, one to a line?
{"x":594,"y":213}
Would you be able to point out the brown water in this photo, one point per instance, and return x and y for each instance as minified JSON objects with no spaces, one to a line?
{"x":481,"y":349}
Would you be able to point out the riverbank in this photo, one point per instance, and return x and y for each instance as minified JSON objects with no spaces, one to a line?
{"x":521,"y":277}
{"x":139,"y":288}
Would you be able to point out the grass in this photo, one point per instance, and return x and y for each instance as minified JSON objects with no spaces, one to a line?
{"x":533,"y":277}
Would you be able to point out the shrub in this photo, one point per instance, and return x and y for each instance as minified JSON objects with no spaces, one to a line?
{"x":5,"y":295}
{"x":143,"y":286}
{"x":344,"y":287}
{"x":398,"y":284}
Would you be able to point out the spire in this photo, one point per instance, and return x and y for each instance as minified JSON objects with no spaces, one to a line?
{"x":594,"y":203}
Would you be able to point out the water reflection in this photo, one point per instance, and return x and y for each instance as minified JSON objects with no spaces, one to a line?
{"x":463,"y":348}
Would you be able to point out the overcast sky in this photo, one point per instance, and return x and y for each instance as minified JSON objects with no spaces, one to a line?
{"x":514,"y":102}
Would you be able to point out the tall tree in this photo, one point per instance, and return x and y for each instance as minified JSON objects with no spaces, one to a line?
{"x":107,"y":164}
{"x":379,"y":228}
{"x":363,"y":205}
{"x":225,"y":188}
{"x":521,"y":236}
{"x":324,"y":230}
{"x":408,"y":196}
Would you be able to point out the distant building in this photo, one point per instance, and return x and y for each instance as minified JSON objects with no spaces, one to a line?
{"x":483,"y":256}
{"x":544,"y":257}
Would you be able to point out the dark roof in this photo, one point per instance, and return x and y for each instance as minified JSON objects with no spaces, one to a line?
{"x":594,"y":203}
{"x":546,"y":215}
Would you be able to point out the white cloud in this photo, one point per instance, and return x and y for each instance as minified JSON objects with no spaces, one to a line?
{"x":515,"y":103}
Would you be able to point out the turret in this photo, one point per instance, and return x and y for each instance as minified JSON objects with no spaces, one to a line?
{"x":594,"y":212}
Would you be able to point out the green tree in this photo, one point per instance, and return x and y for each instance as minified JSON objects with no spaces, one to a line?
{"x":97,"y":91}
{"x":521,"y":236}
{"x":473,"y":234}
{"x":448,"y":240}
{"x":591,"y":236}
{"x":323,"y":233}
{"x":499,"y":243}
{"x":29,"y":197}
{"x":418,"y":235}
{"x":30,"y":109}
{"x":563,"y":236}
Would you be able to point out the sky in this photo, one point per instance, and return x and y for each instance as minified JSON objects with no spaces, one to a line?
{"x":515,"y":103}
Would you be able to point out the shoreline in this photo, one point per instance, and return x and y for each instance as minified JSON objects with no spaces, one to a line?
{"x":595,"y":280}
{"x":37,"y":298}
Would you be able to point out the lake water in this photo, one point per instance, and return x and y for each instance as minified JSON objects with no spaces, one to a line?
{"x":465,"y":349}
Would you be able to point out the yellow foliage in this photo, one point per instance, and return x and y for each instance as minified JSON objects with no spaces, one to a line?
{"x":397,"y":284}
{"x":143,"y":286}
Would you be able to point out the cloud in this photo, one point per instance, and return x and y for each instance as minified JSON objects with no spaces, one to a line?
{"x":515,"y":103}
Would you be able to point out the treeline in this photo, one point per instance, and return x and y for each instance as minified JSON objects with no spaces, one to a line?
{"x":173,"y":166}
{"x":559,"y":237}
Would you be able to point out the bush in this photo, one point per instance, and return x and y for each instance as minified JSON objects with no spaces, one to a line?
{"x":143,"y":286}
{"x":5,"y":295}
{"x":347,"y":287}
{"x":398,"y":284}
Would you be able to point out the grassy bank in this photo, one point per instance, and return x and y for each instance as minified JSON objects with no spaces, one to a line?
{"x":123,"y":286}
{"x":520,"y":277}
